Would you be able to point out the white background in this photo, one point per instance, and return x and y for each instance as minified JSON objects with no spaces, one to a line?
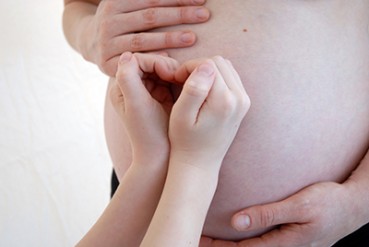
{"x":54,"y":164}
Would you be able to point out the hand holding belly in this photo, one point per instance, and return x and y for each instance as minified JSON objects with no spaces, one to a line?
{"x":318,"y":215}
{"x":120,"y":26}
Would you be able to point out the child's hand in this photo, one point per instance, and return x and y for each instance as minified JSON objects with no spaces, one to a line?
{"x":120,"y":26}
{"x":208,"y":113}
{"x":144,"y":103}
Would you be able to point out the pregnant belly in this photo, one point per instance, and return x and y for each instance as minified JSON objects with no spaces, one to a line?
{"x":305,"y":66}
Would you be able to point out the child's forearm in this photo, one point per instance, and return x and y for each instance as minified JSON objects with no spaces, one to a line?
{"x":182,"y":209}
{"x":76,"y":18}
{"x":203,"y":123}
{"x":126,"y":218}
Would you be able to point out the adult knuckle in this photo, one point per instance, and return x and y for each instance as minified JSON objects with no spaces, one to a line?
{"x":103,"y":26}
{"x":104,"y":29}
{"x":267,"y":218}
{"x":137,"y":42}
{"x":169,"y":39}
{"x":182,"y":14}
{"x":150,"y":16}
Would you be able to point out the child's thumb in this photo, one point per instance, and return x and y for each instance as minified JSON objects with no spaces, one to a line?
{"x":195,"y":91}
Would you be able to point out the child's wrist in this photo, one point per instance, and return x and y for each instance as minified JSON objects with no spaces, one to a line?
{"x":207,"y":168}
{"x":155,"y":155}
{"x":156,"y":170}
{"x":153,"y":163}
{"x":191,"y":179}
{"x":208,"y":163}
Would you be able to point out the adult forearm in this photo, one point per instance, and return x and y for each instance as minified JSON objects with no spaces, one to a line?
{"x":128,"y":215}
{"x":358,"y":184}
{"x":77,"y":18}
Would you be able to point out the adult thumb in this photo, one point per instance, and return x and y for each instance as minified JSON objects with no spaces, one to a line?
{"x":267,"y":215}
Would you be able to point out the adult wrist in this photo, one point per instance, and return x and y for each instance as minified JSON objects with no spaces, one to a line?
{"x":359,"y":200}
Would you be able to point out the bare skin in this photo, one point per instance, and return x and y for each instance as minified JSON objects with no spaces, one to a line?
{"x":304,"y":66}
{"x":210,"y":108}
{"x":102,"y":30}
{"x":306,"y":76}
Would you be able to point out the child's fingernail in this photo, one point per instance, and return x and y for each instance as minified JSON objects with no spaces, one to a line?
{"x":242,"y":222}
{"x":206,"y":69}
{"x":125,"y":57}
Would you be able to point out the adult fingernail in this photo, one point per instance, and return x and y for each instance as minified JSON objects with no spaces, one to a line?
{"x":125,"y":57}
{"x":206,"y":69}
{"x":242,"y":222}
{"x":187,"y":37}
{"x":202,"y":13}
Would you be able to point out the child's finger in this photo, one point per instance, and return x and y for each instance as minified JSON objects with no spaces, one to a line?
{"x":225,"y":70}
{"x":195,"y":91}
{"x":129,"y":80}
{"x":240,"y":91}
{"x":117,"y":99}
{"x":218,"y":93}
{"x":233,"y":81}
{"x":133,"y":67}
{"x":236,"y":76}
{"x":163,"y":66}
{"x":185,"y":70}
{"x":227,"y":97}
{"x":220,"y":86}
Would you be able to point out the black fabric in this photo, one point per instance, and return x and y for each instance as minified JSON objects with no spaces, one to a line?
{"x":114,"y":183}
{"x":360,"y":238}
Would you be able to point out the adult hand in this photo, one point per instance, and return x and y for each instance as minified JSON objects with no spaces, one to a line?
{"x":142,"y":98}
{"x":120,"y":26}
{"x":318,"y":215}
